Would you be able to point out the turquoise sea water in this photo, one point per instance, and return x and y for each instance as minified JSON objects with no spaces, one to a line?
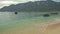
{"x":10,"y":20}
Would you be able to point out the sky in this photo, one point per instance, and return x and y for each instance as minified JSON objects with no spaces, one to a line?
{"x":9,"y":2}
{"x":23,"y":0}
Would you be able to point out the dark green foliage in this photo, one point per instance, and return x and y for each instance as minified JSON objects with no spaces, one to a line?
{"x":39,"y":6}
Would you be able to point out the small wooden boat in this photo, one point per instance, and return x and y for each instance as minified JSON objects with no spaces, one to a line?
{"x":46,"y":15}
{"x":54,"y":13}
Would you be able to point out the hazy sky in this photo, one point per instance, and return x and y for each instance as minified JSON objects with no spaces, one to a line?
{"x":23,"y":0}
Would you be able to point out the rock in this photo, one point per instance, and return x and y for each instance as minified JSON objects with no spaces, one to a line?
{"x":16,"y":12}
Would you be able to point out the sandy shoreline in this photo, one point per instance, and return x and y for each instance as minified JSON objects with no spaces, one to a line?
{"x":38,"y":28}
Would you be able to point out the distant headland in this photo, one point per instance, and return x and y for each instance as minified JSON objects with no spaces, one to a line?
{"x":37,"y":6}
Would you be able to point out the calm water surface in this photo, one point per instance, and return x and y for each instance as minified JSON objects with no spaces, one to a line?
{"x":9,"y":19}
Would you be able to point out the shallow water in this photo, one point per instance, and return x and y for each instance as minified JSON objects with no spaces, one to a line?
{"x":10,"y":20}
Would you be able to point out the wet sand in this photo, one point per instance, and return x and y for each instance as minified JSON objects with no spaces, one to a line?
{"x":49,"y":27}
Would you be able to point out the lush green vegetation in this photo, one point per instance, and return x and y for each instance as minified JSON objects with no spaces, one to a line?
{"x":33,"y":6}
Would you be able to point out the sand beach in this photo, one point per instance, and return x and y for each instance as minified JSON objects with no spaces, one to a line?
{"x":50,"y":27}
